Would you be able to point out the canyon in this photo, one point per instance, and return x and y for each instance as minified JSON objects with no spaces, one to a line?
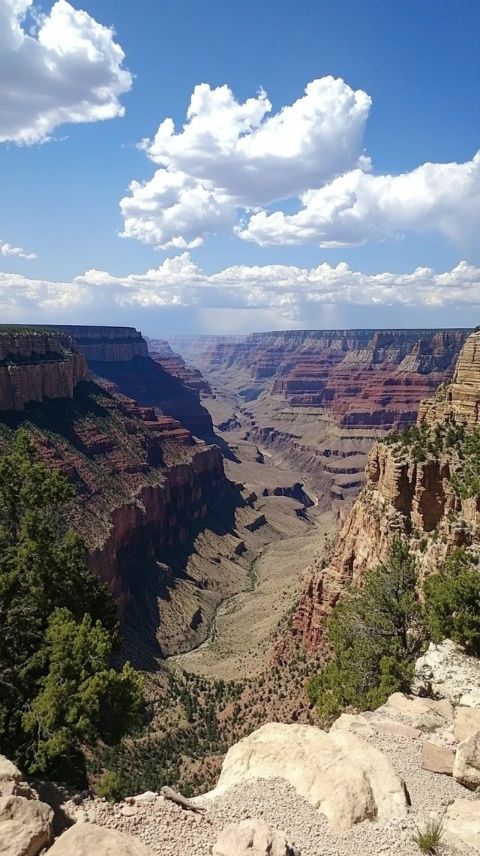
{"x":318,"y":399}
{"x":410,"y":493}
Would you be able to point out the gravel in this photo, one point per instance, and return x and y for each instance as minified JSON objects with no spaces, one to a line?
{"x":172,"y":831}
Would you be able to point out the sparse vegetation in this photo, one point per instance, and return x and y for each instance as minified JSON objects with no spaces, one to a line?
{"x":375,"y":632}
{"x":452,"y":601}
{"x":58,"y":630}
{"x":430,"y":836}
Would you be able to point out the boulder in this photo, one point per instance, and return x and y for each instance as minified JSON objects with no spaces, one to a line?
{"x":466,"y":722}
{"x":447,"y":672}
{"x":461,"y":824}
{"x":252,"y":838}
{"x":347,"y":779}
{"x":355,"y":723}
{"x":25,"y":826}
{"x":87,"y":839}
{"x":437,"y":759}
{"x":466,"y":768}
{"x":11,"y":781}
{"x":424,"y":714}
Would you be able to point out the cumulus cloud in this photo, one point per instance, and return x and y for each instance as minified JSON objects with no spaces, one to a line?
{"x":234,"y":164}
{"x":7,"y":249}
{"x":291,"y":294}
{"x":65,"y":67}
{"x":234,"y":155}
{"x":358,"y":207}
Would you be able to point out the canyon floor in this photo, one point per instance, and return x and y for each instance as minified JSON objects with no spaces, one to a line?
{"x":293,"y":531}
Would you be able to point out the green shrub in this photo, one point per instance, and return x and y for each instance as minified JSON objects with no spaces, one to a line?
{"x":58,"y":630}
{"x":452,"y":602}
{"x":430,"y":837}
{"x":376,"y":631}
{"x":110,"y":787}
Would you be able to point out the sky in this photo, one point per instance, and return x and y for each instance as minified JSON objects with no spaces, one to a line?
{"x":228,"y":166}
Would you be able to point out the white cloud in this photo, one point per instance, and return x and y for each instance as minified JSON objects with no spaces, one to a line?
{"x":234,"y":164}
{"x":65,"y":68}
{"x":232,"y":155}
{"x":290,"y":294}
{"x":7,"y":249}
{"x":358,"y":207}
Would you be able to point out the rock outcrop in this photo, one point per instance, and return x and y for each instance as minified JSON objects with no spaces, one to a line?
{"x":252,"y":838}
{"x":344,"y":778}
{"x":120,"y":355}
{"x":409,"y":493}
{"x":174,"y":364}
{"x":36,"y":366}
{"x":86,"y":839}
{"x":25,"y":822}
{"x":364,"y":377}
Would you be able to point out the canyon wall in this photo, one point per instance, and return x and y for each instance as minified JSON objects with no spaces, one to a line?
{"x":174,"y":364}
{"x":37,"y":365}
{"x":373,"y":378}
{"x":409,"y":493}
{"x":144,"y":485}
{"x":120,"y":355}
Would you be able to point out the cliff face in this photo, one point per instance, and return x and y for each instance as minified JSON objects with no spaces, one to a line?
{"x":120,"y":354}
{"x":363,"y":377}
{"x":35,"y":366}
{"x":409,"y":492}
{"x":143,"y":484}
{"x":192,"y":378}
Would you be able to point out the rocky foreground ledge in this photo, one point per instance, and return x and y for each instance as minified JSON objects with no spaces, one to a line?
{"x":362,"y":789}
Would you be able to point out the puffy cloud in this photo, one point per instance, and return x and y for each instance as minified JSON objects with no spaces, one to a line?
{"x":234,"y":164}
{"x":232,"y":155}
{"x":7,"y":249}
{"x":66,"y":68}
{"x":358,"y":207}
{"x":289,"y":293}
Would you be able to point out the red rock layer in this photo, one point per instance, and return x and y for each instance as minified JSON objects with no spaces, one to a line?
{"x":120,"y":355}
{"x":36,"y":365}
{"x":403,"y":496}
{"x":192,"y":378}
{"x":363,"y":377}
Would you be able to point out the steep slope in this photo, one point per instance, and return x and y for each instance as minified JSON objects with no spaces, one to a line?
{"x":174,"y":364}
{"x":36,"y":366}
{"x":145,"y":488}
{"x":417,"y":487}
{"x":318,"y":399}
{"x":120,"y":354}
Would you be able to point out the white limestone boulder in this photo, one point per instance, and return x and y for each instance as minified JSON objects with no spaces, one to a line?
{"x":466,"y":767}
{"x":447,"y":672}
{"x":87,"y":839}
{"x":466,"y":722}
{"x":252,"y":838}
{"x":25,"y":826}
{"x":461,"y":824}
{"x":424,"y":714}
{"x":345,"y":778}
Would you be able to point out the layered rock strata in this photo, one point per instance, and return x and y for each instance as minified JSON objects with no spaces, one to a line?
{"x":174,"y":364}
{"x":363,"y":377}
{"x":409,"y":493}
{"x":36,"y":366}
{"x":120,"y":354}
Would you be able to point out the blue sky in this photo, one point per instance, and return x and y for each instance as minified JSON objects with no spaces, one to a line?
{"x":417,"y":62}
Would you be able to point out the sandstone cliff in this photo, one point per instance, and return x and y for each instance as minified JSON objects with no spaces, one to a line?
{"x":174,"y":364}
{"x":363,"y":377}
{"x":120,"y":354}
{"x":411,"y":491}
{"x":38,"y":365}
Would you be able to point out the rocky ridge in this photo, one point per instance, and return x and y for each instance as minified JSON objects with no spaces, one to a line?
{"x":409,"y":492}
{"x":120,"y":355}
{"x":36,"y":366}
